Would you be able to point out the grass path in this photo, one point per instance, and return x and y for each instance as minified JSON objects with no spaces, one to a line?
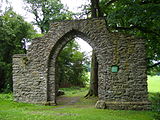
{"x":64,"y":100}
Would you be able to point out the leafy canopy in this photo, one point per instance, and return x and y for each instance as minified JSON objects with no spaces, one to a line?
{"x":47,"y":11}
{"x":72,"y":66}
{"x":14,"y":32}
{"x":139,"y":18}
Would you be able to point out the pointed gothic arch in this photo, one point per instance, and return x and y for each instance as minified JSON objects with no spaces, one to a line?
{"x":124,"y":88}
{"x":51,"y":82}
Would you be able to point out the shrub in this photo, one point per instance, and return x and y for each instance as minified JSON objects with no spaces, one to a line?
{"x":155,"y":99}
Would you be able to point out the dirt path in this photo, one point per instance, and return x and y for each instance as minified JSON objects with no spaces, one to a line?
{"x":64,"y":100}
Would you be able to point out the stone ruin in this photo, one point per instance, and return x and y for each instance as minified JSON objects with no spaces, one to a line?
{"x":122,"y":78}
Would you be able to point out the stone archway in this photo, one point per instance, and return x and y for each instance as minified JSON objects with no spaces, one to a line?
{"x":121,"y":71}
{"x":53,"y":58}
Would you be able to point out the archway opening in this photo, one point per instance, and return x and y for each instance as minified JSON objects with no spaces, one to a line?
{"x":73,"y":67}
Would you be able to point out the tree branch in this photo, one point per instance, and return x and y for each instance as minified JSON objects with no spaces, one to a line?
{"x":110,"y":2}
{"x":86,"y":13}
{"x":154,"y":65}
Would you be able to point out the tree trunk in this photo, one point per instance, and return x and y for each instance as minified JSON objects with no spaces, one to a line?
{"x":93,"y":90}
{"x":95,"y":9}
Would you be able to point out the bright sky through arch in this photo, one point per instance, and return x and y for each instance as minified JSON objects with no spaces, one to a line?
{"x":74,"y":6}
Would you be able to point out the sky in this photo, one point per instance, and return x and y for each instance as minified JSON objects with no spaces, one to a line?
{"x":73,"y":6}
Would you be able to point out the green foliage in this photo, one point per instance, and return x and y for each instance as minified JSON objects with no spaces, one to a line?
{"x":47,"y":11}
{"x":157,"y":116}
{"x":72,"y":70}
{"x":155,"y":99}
{"x":6,"y":97}
{"x":74,"y":91}
{"x":14,"y":32}
{"x":140,"y":18}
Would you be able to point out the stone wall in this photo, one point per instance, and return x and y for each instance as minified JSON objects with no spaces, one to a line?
{"x":34,"y":78}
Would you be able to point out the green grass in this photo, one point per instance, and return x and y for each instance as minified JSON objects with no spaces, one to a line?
{"x":10,"y":110}
{"x":153,"y":84}
{"x":74,"y":90}
{"x":83,"y":110}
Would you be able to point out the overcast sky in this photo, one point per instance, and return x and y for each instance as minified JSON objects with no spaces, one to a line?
{"x":73,"y":6}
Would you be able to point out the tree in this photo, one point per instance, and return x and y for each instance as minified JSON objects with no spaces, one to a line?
{"x":95,"y":9}
{"x":13,"y":32}
{"x":71,"y":65}
{"x":139,"y":18}
{"x":47,"y":11}
{"x":93,"y":89}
